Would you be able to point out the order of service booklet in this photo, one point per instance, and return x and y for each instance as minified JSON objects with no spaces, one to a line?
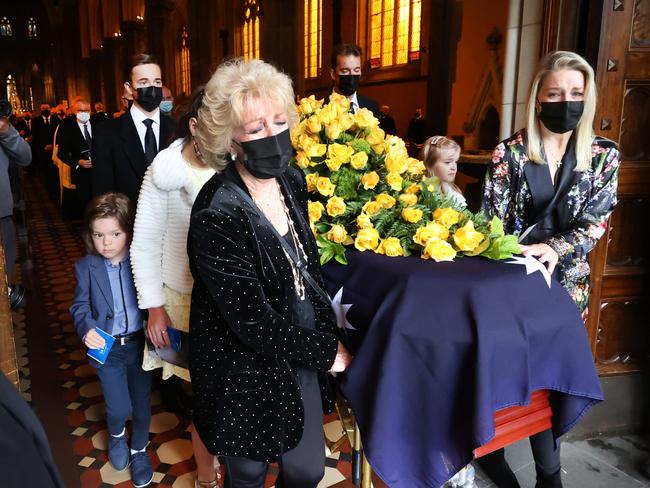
{"x":101,"y":354}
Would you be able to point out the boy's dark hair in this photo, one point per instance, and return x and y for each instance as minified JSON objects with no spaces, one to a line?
{"x":345,"y":49}
{"x":192,"y":110}
{"x":138,"y":60}
{"x":104,"y":206}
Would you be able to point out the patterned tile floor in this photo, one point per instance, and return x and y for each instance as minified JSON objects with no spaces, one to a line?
{"x":67,"y":396}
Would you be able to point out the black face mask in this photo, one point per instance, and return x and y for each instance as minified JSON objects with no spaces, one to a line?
{"x":348,"y":84}
{"x":268,"y":157}
{"x":45,"y":113}
{"x":561,"y":117}
{"x":149,"y":97}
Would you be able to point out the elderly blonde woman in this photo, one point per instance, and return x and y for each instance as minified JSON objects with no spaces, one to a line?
{"x":159,"y":255}
{"x":262,"y":336}
{"x":554,"y":185}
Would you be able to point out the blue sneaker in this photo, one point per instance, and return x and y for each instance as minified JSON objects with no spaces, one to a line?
{"x":118,"y":452}
{"x":141,"y":470}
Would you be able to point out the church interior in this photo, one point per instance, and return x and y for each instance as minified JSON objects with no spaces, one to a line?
{"x":459,"y":68}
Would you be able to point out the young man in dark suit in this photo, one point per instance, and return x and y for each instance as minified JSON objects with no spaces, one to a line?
{"x":43,"y":128}
{"x":346,"y":73}
{"x":124,"y":147}
{"x":74,"y":139}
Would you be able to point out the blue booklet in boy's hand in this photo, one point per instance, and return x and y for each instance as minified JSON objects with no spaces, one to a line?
{"x":100,"y":355}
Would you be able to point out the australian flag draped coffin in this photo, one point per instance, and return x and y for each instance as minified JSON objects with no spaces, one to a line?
{"x":439,"y":347}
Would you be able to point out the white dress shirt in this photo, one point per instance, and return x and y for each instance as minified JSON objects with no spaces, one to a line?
{"x":138,"y":116}
{"x":90,"y":130}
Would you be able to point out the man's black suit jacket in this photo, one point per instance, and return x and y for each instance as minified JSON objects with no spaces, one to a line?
{"x":369,"y":103}
{"x":118,"y":157}
{"x":73,"y":147}
{"x":42,"y":135}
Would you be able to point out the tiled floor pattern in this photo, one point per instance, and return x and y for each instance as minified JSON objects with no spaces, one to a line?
{"x":54,"y":245}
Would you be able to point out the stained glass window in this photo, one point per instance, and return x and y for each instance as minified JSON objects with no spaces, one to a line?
{"x":313,"y":37}
{"x":185,"y":64}
{"x":31,"y":27}
{"x":394,"y":32}
{"x":251,"y":29}
{"x":5,"y":27}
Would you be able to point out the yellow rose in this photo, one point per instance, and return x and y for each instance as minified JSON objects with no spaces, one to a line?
{"x":335,"y":206}
{"x":370,"y":180}
{"x":396,"y":162}
{"x":408,"y":199}
{"x":446,"y":216}
{"x":367,"y":239}
{"x":438,"y":250}
{"x":415,"y":167}
{"x":334,"y":164}
{"x":302,"y":160}
{"x":345,"y":121}
{"x":337,"y":234}
{"x":411,"y":214}
{"x":371,"y":208}
{"x":308,"y":105}
{"x":395,"y":142}
{"x":364,"y":119}
{"x":340,"y":151}
{"x":379,"y":149}
{"x":313,"y":125}
{"x":394,"y":180}
{"x":385,"y":200}
{"x":340,"y":102}
{"x":324,"y":186}
{"x":304,"y":142}
{"x":327,"y":114}
{"x":376,"y":136}
{"x":315,"y":211}
{"x":313,"y":228}
{"x":363,"y":221}
{"x":333,"y":130}
{"x":311,"y":181}
{"x":413,"y":189}
{"x":359,"y":160}
{"x":316,"y":150}
{"x":466,"y":238}
{"x":423,"y":234}
{"x":390,"y":247}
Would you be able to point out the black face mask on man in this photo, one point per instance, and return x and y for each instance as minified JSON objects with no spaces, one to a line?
{"x":348,"y":84}
{"x":268,"y":157}
{"x":561,"y":117}
{"x":149,"y":97}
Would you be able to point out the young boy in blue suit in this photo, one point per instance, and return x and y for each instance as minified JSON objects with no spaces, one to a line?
{"x":105,"y":298}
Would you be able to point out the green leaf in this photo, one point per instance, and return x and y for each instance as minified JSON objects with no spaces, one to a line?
{"x":496,"y":227}
{"x":340,"y":257}
{"x":502,"y":247}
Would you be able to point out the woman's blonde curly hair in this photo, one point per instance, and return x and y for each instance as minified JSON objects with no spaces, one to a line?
{"x":231,"y":89}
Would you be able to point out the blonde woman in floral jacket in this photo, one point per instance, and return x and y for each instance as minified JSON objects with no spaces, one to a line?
{"x":554,"y":185}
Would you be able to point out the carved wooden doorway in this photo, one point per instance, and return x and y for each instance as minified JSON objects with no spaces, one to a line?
{"x":618,"y":321}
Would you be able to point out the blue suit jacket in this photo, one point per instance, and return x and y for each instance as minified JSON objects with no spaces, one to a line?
{"x":92,"y":305}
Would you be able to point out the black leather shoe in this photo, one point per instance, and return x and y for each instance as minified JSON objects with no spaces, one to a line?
{"x":549,"y":480}
{"x":18,"y":297}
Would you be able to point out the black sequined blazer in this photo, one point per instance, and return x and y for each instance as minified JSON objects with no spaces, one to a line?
{"x":242,"y":346}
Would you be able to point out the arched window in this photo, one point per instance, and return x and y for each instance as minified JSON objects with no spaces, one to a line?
{"x":31,"y":28}
{"x":313,"y":37}
{"x":5,"y":28}
{"x":251,"y":29}
{"x":185,"y":79}
{"x":394,"y":32}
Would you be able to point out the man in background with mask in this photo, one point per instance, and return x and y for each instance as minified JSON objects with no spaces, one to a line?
{"x":167,"y":104}
{"x":346,"y":74}
{"x":123,"y":148}
{"x":74,"y":141}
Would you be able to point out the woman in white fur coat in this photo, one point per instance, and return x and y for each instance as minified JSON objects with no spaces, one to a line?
{"x":159,"y":256}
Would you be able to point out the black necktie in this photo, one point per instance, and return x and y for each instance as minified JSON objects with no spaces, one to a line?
{"x":150,"y":147}
{"x":87,"y":135}
{"x":353,"y":106}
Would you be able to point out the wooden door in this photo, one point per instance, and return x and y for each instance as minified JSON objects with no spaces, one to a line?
{"x":618,"y":310}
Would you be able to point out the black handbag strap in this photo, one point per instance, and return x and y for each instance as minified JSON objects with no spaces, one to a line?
{"x":302,"y":266}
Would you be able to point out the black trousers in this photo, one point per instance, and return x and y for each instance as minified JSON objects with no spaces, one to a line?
{"x":301,"y":467}
{"x":545,"y":454}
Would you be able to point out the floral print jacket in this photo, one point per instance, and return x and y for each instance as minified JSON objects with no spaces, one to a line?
{"x":588,"y":204}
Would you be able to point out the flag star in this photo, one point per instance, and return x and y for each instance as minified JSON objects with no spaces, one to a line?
{"x":340,"y":310}
{"x":532,"y":265}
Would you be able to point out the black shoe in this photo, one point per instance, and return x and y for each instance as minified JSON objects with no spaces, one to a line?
{"x":545,"y":480}
{"x":18,"y":296}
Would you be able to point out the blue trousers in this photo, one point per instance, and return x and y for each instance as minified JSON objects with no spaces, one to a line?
{"x":127,"y":391}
